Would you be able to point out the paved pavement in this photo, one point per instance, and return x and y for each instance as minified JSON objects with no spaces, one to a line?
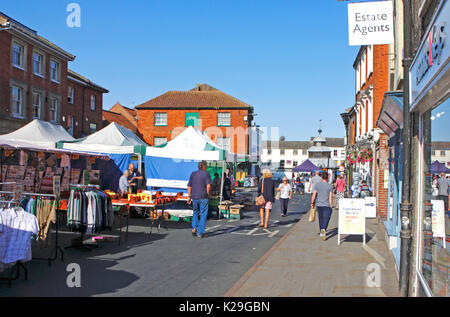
{"x":301,"y":264}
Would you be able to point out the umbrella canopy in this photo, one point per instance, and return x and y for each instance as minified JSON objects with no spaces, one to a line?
{"x":306,"y":166}
{"x":437,"y":167}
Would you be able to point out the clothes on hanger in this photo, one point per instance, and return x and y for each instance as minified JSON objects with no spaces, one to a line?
{"x":16,"y":230}
{"x":89,"y":211}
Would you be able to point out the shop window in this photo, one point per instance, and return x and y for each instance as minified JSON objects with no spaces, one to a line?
{"x":435,"y":212}
{"x":191,"y":119}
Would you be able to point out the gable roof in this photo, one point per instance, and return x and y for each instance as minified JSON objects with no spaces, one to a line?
{"x":203,"y":96}
{"x":111,"y":116}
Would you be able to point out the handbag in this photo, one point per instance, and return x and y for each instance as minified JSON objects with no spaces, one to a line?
{"x":260,"y":201}
{"x":312,"y":214}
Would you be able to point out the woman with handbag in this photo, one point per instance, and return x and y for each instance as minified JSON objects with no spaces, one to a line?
{"x":266,"y":197}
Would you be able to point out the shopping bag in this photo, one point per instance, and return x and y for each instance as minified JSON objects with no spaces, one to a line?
{"x":312,"y":214}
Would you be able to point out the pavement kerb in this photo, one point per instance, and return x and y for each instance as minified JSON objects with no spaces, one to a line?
{"x":247,"y":275}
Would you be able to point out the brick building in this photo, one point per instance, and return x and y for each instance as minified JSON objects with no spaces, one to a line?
{"x":35,"y":82}
{"x":371,"y":82}
{"x":121,"y":115}
{"x":224,"y":118}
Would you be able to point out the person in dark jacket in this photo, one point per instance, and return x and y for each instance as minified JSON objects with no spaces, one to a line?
{"x":267,"y":186}
{"x":226,"y":187}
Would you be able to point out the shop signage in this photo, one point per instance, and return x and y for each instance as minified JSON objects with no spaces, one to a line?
{"x":352,"y":217}
{"x":432,"y":57}
{"x":172,"y":183}
{"x":438,"y":219}
{"x":370,"y":23}
{"x":371,"y":207}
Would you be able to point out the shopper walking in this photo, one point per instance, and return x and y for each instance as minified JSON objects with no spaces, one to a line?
{"x":226,"y":190}
{"x":315,"y":180}
{"x":285,"y":190}
{"x":322,"y":199}
{"x":340,"y":189}
{"x":443,"y":187}
{"x":198,"y":187}
{"x":266,"y":187}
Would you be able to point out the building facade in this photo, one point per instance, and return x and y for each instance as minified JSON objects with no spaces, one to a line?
{"x":36,"y":83}
{"x":225,"y":119}
{"x":285,"y":155}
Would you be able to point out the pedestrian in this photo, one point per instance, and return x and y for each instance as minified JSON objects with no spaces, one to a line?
{"x":135,"y":178}
{"x":226,"y":187}
{"x":266,"y":188}
{"x":322,"y":199}
{"x":365,"y":190}
{"x":124,"y":184}
{"x":340,"y":189}
{"x":315,"y":180}
{"x":443,"y":187}
{"x":198,"y":188}
{"x":297,"y":183}
{"x":215,"y":185}
{"x":285,"y":190}
{"x":302,"y":187}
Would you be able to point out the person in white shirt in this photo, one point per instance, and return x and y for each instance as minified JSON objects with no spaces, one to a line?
{"x":285,"y":190}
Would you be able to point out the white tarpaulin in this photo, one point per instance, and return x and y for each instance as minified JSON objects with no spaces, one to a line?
{"x":114,"y":139}
{"x":191,"y":144}
{"x":37,"y":134}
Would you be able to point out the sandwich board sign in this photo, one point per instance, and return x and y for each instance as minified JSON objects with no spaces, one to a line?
{"x":438,"y":220}
{"x":371,"y":207}
{"x":352,"y":217}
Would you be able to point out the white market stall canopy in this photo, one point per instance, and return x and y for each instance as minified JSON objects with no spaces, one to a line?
{"x":114,"y":139}
{"x":191,"y":144}
{"x":37,"y":134}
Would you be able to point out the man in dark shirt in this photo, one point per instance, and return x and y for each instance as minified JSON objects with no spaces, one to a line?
{"x":135,"y":178}
{"x":198,"y":191}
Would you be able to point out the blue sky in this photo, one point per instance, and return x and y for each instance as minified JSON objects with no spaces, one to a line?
{"x":289,"y":59}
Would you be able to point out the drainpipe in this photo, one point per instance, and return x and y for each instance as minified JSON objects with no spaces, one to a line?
{"x":406,"y":206}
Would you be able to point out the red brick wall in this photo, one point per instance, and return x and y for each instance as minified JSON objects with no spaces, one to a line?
{"x":380,"y":168}
{"x":208,"y":121}
{"x":380,"y":78}
{"x":27,"y":77}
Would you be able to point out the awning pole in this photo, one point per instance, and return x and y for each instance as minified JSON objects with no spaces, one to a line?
{"x":221,"y":189}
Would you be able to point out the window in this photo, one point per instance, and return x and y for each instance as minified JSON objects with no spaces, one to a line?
{"x":433,"y":152}
{"x":223,"y":119}
{"x":191,"y":119}
{"x":281,"y":163}
{"x":159,"y":140}
{"x":295,"y":152}
{"x":295,"y":163}
{"x":37,"y":102}
{"x":17,"y":101}
{"x":93,"y":103}
{"x":53,"y":110}
{"x":281,"y":152}
{"x":71,"y":95}
{"x":269,"y":151}
{"x":92,"y":127}
{"x":55,"y":70}
{"x":161,"y":119}
{"x":38,"y":64}
{"x":18,"y":52}
{"x":70,"y":124}
{"x":224,"y":143}
{"x":335,"y":152}
{"x":442,"y":153}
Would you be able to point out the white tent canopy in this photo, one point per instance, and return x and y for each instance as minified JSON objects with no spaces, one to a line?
{"x":37,"y":134}
{"x":114,"y":139}
{"x":191,"y":144}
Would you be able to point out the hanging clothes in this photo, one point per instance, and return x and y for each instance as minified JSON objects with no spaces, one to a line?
{"x":16,"y":230}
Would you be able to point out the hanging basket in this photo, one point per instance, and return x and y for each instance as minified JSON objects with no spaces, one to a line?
{"x":353,"y":157}
{"x":365,"y":156}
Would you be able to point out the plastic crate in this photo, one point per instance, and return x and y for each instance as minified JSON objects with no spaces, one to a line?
{"x":183,"y":218}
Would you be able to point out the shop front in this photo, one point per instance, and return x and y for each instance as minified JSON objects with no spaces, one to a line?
{"x":391,"y":122}
{"x":430,"y":109}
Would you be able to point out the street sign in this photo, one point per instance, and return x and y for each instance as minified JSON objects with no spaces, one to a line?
{"x":370,"y":23}
{"x":352,"y":218}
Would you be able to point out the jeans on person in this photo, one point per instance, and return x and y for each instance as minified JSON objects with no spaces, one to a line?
{"x":284,"y":205}
{"x":200,"y":207}
{"x":324,"y":216}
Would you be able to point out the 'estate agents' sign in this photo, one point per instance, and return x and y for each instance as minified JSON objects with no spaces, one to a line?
{"x":352,"y":217}
{"x":370,"y":23}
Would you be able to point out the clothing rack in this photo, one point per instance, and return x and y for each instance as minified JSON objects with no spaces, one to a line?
{"x":81,"y":238}
{"x":56,"y":248}
{"x":18,"y":264}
